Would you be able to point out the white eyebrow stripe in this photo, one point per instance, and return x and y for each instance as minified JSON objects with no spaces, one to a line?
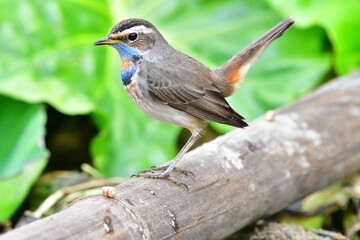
{"x":141,"y":29}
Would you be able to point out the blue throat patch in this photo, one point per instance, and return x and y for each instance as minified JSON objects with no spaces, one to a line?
{"x":127,"y":75}
{"x":129,"y":54}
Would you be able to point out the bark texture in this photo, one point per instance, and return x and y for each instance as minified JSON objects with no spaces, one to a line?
{"x":242,"y":176}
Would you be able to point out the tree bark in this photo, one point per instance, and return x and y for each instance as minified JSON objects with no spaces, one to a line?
{"x":242,"y":176}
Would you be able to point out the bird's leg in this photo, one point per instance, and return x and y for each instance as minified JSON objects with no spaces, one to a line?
{"x":164,"y":171}
{"x":183,"y":150}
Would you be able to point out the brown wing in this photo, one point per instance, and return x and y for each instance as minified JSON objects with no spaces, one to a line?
{"x":186,"y":85}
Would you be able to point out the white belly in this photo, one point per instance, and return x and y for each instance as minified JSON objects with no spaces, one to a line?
{"x":163,"y":112}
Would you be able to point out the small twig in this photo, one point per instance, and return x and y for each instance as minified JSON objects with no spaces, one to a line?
{"x":91,"y":171}
{"x":59,"y":194}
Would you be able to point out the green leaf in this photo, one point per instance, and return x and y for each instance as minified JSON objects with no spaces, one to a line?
{"x":49,"y":57}
{"x":212,"y":33}
{"x":314,"y":222}
{"x":22,"y":152}
{"x":292,"y":66}
{"x":340,"y":19}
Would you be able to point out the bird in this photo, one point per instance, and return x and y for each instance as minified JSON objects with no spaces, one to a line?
{"x":175,"y":88}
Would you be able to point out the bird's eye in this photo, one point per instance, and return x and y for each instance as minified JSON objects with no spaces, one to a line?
{"x":132,"y":36}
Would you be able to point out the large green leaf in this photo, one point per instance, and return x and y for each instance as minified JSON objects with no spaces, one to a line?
{"x":212,"y":32}
{"x":340,"y":19}
{"x":22,"y":152}
{"x":48,"y":57}
{"x":292,"y":65}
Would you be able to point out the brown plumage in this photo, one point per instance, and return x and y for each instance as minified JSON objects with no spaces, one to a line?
{"x":236,"y":68}
{"x":187,"y":85}
{"x":175,"y":88}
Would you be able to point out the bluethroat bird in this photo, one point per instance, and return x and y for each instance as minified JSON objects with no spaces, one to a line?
{"x":174,"y":88}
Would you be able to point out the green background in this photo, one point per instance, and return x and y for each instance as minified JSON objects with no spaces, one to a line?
{"x":47,"y":59}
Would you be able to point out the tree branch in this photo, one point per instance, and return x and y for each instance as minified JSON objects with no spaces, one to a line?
{"x":242,"y":176}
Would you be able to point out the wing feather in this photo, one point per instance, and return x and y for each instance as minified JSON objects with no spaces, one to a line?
{"x":186,"y":85}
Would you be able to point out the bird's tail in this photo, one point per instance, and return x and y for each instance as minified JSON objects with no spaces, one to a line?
{"x":236,"y":68}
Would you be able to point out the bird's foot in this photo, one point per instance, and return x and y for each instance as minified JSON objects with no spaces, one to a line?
{"x":163,"y":170}
{"x":162,"y":173}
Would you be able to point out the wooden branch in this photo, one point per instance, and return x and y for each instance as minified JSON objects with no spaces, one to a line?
{"x":240,"y":177}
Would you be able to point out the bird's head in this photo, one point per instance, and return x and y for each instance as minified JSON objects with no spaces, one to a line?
{"x":133,"y":37}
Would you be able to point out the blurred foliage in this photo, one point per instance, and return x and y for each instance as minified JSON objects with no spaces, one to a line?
{"x":47,"y":57}
{"x":22,"y":152}
{"x":335,"y":208}
{"x":275,"y":231}
{"x":340,"y":20}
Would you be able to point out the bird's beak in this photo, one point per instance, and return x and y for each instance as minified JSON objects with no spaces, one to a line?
{"x":106,"y":41}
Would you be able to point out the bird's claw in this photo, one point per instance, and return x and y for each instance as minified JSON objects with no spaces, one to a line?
{"x":155,"y":169}
{"x":159,"y":173}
